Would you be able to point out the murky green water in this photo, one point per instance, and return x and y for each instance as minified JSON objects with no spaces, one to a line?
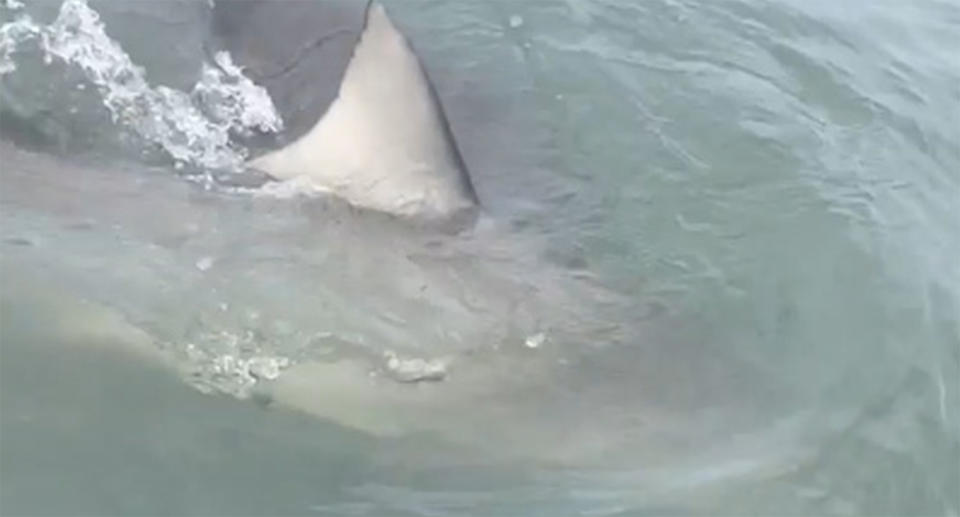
{"x":774,"y":187}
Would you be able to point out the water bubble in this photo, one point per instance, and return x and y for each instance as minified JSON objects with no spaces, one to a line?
{"x":266,"y":368}
{"x":205,"y":263}
{"x":535,"y":341}
{"x":416,"y":369}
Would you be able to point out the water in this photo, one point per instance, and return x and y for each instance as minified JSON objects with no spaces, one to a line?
{"x":765,"y":193}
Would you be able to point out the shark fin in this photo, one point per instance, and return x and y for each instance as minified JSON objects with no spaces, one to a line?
{"x":384,"y":143}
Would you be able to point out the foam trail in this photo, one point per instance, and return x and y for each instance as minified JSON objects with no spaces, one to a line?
{"x":192,"y":128}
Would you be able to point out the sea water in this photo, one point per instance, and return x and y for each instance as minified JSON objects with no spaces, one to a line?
{"x":774,"y":186}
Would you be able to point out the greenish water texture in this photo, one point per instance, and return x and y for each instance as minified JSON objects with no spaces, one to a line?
{"x":785,"y":176}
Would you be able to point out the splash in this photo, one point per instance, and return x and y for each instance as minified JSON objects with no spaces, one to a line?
{"x":232,"y":100}
{"x":229,"y":363}
{"x":11,"y":34}
{"x":192,"y":128}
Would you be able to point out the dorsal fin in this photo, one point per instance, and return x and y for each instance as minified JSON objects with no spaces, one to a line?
{"x":384,"y":143}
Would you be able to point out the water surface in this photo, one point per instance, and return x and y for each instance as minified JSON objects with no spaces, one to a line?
{"x":763,"y":196}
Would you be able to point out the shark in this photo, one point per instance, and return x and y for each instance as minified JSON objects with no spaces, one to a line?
{"x":353,"y":305}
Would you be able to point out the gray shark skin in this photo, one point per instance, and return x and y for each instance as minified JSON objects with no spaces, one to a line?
{"x":118,"y":252}
{"x":156,"y":264}
{"x":146,"y":264}
{"x":301,"y":66}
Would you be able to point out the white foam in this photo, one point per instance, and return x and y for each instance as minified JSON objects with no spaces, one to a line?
{"x":231,"y":99}
{"x":192,"y":128}
{"x":228,"y":365}
{"x":11,"y":35}
{"x":535,"y":341}
{"x":415,"y":369}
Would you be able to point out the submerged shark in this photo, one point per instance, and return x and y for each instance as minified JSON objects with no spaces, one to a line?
{"x":382,"y":323}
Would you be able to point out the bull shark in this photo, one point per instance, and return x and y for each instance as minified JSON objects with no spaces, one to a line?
{"x":383,"y":324}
